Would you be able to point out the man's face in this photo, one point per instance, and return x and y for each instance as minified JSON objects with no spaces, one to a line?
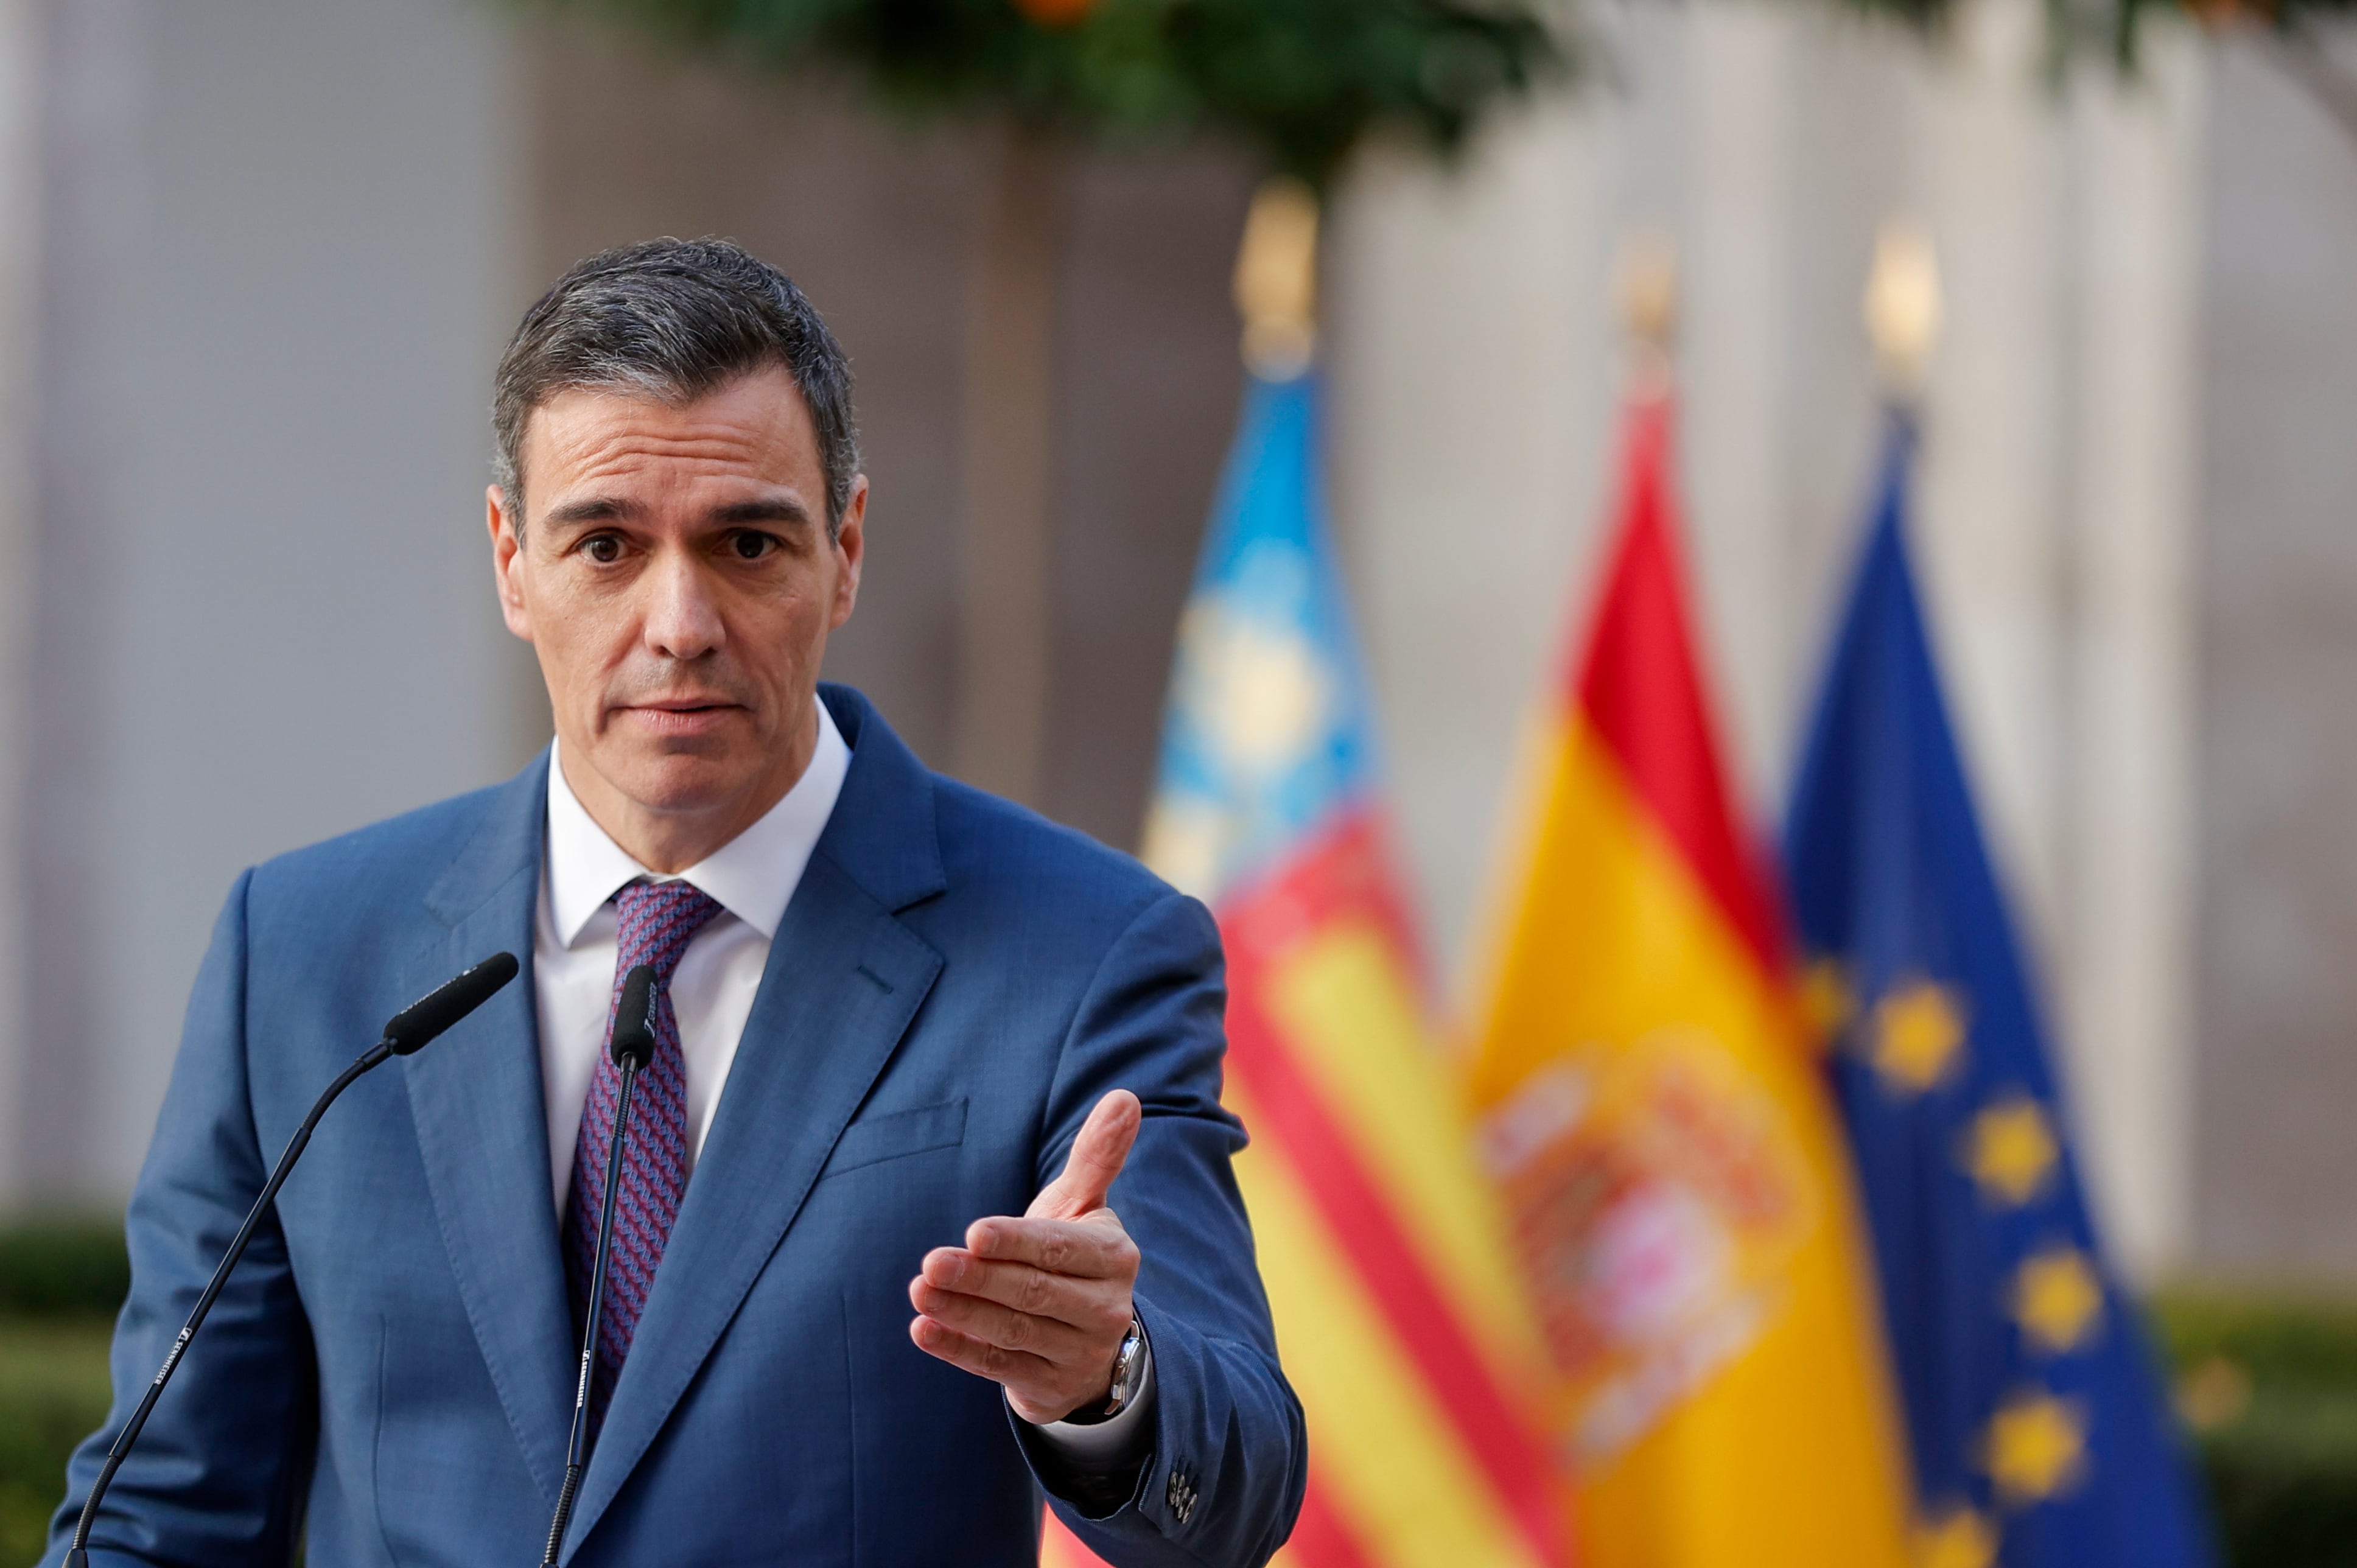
{"x":676,"y":579}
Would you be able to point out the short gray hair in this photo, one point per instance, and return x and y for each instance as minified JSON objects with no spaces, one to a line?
{"x":673,"y":319}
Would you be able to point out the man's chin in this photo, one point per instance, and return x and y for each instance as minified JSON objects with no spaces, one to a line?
{"x":676,"y":779}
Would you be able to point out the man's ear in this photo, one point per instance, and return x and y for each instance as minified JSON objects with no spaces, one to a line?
{"x":851,"y":550}
{"x":507,"y":561}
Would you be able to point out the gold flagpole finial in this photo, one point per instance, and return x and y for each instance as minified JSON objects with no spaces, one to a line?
{"x":1276,"y":280}
{"x":1903,"y":304}
{"x":1647,"y":277}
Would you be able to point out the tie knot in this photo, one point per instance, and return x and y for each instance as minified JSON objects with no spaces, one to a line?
{"x":657,"y":920}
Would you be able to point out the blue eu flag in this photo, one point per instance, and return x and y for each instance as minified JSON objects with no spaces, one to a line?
{"x":2039,"y":1432}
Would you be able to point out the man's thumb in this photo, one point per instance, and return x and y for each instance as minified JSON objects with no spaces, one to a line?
{"x":1097,"y":1156}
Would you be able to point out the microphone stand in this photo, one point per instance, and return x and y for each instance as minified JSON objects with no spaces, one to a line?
{"x":576,"y":1447}
{"x":409,"y":1029}
{"x":377,"y":1054}
{"x":633,"y":1043}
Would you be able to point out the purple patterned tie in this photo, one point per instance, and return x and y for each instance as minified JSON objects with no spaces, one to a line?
{"x":657,"y":918}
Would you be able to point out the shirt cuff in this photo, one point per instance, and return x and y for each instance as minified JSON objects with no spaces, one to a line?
{"x":1116,"y":1442}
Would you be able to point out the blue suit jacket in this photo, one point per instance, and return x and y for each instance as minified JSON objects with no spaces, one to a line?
{"x":390,"y":1372}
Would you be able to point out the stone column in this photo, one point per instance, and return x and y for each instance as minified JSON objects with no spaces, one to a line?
{"x":2129,"y":861}
{"x":1735,"y":370}
{"x":1990,"y":145}
{"x":1470,"y":334}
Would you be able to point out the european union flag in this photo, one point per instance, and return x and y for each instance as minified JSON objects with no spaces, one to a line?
{"x":2039,"y":1436}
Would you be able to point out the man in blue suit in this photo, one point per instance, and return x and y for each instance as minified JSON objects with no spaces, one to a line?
{"x":927,"y":1206}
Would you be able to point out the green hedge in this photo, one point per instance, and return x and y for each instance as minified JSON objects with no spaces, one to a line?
{"x":2268,"y":1381}
{"x":52,"y":1396}
{"x":63,"y":1266}
{"x":61,"y":1278}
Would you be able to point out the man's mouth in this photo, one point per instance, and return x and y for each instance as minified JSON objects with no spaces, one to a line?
{"x":683,"y":716}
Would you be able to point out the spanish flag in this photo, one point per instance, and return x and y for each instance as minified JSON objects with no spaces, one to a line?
{"x":1660,"y":1133}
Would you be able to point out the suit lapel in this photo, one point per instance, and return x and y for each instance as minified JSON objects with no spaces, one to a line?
{"x":844,"y":980}
{"x":482,"y":1128}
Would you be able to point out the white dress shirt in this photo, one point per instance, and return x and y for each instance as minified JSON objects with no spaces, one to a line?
{"x":576,"y":946}
{"x":575,"y":943}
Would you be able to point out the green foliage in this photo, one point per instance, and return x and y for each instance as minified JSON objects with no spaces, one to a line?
{"x":2278,"y":1440}
{"x":63,"y":1266}
{"x":61,"y":1279}
{"x":1301,"y":82}
{"x":53,"y":1393}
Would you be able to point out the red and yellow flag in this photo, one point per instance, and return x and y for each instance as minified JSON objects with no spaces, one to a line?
{"x":1656,"y":1125}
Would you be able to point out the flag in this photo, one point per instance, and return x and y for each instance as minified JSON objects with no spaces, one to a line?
{"x":2035,"y":1421}
{"x":1399,"y":1318}
{"x":1670,"y":1160}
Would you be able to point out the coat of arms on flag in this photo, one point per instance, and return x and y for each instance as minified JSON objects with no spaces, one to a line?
{"x":1678,"y":1190}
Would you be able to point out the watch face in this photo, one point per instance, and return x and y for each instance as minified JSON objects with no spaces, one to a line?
{"x":1125,"y":1370}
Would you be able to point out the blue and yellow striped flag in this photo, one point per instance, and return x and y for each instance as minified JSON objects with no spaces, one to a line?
{"x":1399,"y":1315}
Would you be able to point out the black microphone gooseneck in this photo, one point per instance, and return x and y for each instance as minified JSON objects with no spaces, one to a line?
{"x":410,"y":1029}
{"x":633,"y":1045}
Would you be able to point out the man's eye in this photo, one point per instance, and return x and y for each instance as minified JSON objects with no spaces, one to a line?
{"x":752,"y":546}
{"x":604,"y":549}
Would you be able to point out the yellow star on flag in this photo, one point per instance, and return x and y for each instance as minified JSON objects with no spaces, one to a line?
{"x":2010,"y":1150}
{"x":1959,"y":1537}
{"x":2037,"y":1445}
{"x":2058,"y":1299}
{"x":1919,"y":1031}
{"x":1825,"y":1000}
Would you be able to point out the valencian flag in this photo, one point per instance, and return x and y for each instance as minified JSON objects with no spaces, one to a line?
{"x":2034,"y":1417}
{"x":1672,"y":1164}
{"x":1401,"y":1321}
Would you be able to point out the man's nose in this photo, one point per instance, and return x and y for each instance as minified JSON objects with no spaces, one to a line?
{"x":681,"y":619}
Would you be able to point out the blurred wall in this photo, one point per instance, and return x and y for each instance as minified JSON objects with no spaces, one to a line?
{"x":2278,"y":749}
{"x":271,"y":241}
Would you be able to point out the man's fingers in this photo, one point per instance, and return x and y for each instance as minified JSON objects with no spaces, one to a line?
{"x":979,"y":1356}
{"x":1093,"y":1249}
{"x":977,"y":1318}
{"x":1097,"y":1156}
{"x":1098,"y":1305}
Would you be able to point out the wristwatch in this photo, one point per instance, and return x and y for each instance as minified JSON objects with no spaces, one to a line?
{"x":1128,"y":1369}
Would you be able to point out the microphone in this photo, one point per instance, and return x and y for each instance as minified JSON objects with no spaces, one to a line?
{"x":632,"y":1046}
{"x":411,"y":1027}
{"x":447,"y":1002}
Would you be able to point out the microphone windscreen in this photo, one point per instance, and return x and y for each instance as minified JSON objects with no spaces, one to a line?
{"x":444,"y":1006}
{"x":634,"y":1019}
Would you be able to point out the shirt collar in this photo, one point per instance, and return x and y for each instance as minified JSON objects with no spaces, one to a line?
{"x":752,"y":875}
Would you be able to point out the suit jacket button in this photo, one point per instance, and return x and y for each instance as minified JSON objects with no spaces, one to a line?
{"x":1180,"y":1495}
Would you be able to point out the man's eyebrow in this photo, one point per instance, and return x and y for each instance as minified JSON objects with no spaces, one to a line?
{"x":767,"y":509}
{"x":591,"y":508}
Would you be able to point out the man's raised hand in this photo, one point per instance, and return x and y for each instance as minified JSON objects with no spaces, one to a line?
{"x":1041,"y":1305}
